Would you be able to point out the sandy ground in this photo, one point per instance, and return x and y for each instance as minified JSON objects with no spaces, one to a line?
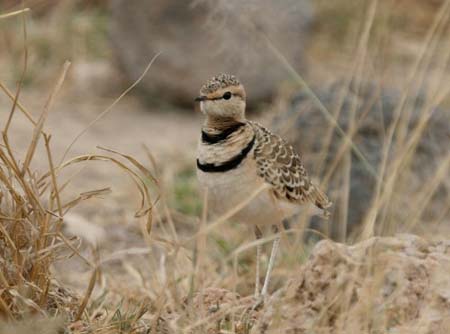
{"x":169,"y":134}
{"x":125,"y":128}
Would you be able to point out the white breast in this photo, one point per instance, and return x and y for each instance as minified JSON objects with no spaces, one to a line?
{"x":229,"y":189}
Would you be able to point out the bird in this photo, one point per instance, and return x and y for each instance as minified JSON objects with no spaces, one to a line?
{"x":240,"y":161}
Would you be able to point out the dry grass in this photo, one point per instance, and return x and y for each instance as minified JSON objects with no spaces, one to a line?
{"x":167,"y":281}
{"x":32,"y":213}
{"x":395,"y":207}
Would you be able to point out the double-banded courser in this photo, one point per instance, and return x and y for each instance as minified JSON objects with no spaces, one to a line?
{"x":237,"y":157}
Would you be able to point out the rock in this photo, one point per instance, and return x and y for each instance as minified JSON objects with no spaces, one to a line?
{"x":375,"y":286}
{"x":199,"y":39}
{"x":301,"y":122}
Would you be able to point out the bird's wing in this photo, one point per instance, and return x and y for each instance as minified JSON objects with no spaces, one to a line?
{"x":280,"y":166}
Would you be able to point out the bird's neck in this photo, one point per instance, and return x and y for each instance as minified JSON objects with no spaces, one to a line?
{"x":221,"y":123}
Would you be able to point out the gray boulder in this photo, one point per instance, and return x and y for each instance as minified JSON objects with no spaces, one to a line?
{"x":301,"y":122}
{"x":199,"y":39}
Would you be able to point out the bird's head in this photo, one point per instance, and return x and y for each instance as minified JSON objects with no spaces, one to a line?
{"x":223,"y":97}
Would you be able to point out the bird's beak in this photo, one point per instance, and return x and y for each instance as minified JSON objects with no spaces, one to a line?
{"x":200,"y":98}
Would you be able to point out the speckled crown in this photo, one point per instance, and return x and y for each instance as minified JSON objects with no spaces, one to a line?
{"x":220,"y":81}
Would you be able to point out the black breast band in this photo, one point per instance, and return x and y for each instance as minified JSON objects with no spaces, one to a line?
{"x":214,"y":139}
{"x":227,"y":165}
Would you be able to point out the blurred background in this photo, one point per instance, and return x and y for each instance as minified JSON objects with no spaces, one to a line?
{"x":380,"y":68}
{"x":360,"y":88}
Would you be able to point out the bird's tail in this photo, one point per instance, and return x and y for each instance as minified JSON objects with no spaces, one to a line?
{"x":320,"y":199}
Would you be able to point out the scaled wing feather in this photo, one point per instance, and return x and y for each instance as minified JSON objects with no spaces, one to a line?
{"x":280,"y":166}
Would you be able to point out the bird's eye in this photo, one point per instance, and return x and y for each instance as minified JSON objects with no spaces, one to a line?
{"x":227,"y":95}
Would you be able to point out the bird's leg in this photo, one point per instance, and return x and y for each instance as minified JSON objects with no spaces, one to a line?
{"x":258,"y":235}
{"x":273,"y":254}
